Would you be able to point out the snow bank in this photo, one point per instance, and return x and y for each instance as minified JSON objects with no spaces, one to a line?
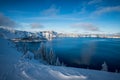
{"x":58,"y":74}
{"x":34,"y":71}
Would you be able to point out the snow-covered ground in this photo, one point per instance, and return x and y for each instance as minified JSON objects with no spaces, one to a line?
{"x":13,"y":67}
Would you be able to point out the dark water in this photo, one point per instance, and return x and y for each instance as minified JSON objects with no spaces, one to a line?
{"x":85,"y":52}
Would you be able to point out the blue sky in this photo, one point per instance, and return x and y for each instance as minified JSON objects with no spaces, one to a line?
{"x":68,"y":16}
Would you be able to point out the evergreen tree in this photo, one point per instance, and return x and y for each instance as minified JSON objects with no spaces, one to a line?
{"x":62,"y":64}
{"x":24,"y":49}
{"x":57,"y":63}
{"x":51,"y":57}
{"x":104,"y":67}
{"x":35,"y":54}
{"x":41,"y":53}
{"x":29,"y":55}
{"x":38,"y":53}
{"x":116,"y":71}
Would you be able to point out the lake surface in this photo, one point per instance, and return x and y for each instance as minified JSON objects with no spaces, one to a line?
{"x":85,"y":52}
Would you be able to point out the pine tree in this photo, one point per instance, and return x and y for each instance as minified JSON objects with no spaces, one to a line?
{"x":41,"y":53}
{"x":35,"y":54}
{"x":38,"y":53}
{"x":116,"y":71}
{"x":57,"y":63}
{"x":24,"y":49}
{"x":29,"y":55}
{"x":51,"y":57}
{"x":104,"y":67}
{"x":62,"y":64}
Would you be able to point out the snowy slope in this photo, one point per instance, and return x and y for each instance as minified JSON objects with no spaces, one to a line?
{"x":13,"y":67}
{"x":33,"y":71}
{"x":9,"y":56}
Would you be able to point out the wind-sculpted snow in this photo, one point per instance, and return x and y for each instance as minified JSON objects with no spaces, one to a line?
{"x":42,"y":72}
{"x":15,"y":67}
{"x":58,"y":74}
{"x":29,"y":70}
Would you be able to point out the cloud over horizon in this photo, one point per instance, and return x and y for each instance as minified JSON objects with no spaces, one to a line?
{"x":85,"y":26}
{"x":6,"y":22}
{"x":36,"y":25}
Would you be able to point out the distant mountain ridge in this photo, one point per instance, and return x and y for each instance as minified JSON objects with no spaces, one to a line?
{"x":9,"y":33}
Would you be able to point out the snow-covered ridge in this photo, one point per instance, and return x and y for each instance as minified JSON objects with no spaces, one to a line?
{"x":10,"y":33}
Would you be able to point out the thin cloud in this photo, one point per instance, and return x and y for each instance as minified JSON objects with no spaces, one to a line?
{"x":55,"y":18}
{"x":36,"y":25}
{"x":6,"y":22}
{"x":51,"y":11}
{"x":86,"y":26}
{"x":94,"y":2}
{"x":106,"y":10}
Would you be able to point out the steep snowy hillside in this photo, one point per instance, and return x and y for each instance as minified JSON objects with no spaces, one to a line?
{"x":9,"y":56}
{"x":13,"y":67}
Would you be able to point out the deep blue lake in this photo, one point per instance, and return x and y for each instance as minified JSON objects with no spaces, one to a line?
{"x":85,"y":52}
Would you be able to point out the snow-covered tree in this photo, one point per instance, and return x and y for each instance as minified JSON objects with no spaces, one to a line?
{"x":41,"y":53}
{"x":37,"y":54}
{"x":62,"y":64}
{"x":24,"y":49}
{"x":57,"y":63}
{"x":51,"y":57}
{"x":116,"y":71}
{"x":29,"y":55}
{"x":104,"y":67}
